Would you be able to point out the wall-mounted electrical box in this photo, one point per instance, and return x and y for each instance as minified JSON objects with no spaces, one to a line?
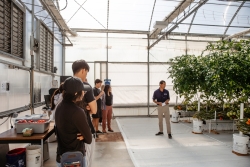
{"x":5,"y":86}
{"x":54,"y":84}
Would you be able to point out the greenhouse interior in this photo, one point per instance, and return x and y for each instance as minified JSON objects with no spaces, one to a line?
{"x":124,"y":83}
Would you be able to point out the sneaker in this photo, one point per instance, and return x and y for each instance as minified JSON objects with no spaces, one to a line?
{"x":159,"y":133}
{"x":98,"y":131}
{"x":169,"y":136}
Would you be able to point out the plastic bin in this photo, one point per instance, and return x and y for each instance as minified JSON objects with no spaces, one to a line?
{"x":16,"y":158}
{"x":37,"y":127}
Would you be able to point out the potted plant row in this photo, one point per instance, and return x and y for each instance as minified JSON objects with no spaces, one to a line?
{"x":221,"y":74}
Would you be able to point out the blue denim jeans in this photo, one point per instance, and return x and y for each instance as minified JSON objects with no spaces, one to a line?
{"x":84,"y":162}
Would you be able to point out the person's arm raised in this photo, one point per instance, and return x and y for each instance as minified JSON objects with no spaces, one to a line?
{"x":99,"y":96}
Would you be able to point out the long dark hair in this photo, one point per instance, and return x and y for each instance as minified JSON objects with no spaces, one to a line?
{"x":59,"y":90}
{"x":106,"y":89}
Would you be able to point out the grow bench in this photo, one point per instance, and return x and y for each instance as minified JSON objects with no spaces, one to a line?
{"x":186,"y":114}
{"x":228,"y":123}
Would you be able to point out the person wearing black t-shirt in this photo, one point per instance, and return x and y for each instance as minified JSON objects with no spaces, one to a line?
{"x":107,"y":114}
{"x":98,"y":94}
{"x":80,"y":69}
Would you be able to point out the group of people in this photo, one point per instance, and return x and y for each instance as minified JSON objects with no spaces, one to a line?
{"x":104,"y":100}
{"x":73,"y":103}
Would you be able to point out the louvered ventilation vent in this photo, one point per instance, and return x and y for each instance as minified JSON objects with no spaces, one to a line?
{"x":46,"y":49}
{"x":11,"y":29}
{"x":5,"y":25}
{"x":17,"y":33}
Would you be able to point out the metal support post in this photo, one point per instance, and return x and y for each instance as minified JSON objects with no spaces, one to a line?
{"x":107,"y":68}
{"x":148,"y":85}
{"x":32,"y":62}
{"x":199,"y":104}
{"x":241,"y":113}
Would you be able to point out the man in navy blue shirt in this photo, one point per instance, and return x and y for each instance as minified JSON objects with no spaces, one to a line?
{"x":161,"y":98}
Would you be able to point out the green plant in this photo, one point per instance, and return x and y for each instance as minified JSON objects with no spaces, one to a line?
{"x":244,"y":125}
{"x":227,"y":70}
{"x":204,"y":115}
{"x":183,"y":71}
{"x":222,"y":76}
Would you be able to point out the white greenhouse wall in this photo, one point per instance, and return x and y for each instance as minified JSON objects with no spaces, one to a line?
{"x":19,"y":79}
{"x":127,"y":63}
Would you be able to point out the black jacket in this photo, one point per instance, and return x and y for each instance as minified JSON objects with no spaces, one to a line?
{"x":71,"y":120}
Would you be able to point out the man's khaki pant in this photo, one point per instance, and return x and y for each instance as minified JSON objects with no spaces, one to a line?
{"x":164,"y":110}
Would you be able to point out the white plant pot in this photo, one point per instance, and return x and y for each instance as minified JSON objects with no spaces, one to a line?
{"x":197,"y":126}
{"x":33,"y":156}
{"x":175,"y":117}
{"x":240,"y":143}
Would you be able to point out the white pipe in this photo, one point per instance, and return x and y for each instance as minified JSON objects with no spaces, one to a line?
{"x":199,"y":104}
{"x":176,"y":100}
{"x":241,"y":113}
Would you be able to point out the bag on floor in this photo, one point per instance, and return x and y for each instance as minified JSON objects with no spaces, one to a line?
{"x":72,"y":159}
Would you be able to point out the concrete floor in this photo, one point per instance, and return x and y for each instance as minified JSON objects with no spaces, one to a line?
{"x":141,"y":148}
{"x":185,"y":149}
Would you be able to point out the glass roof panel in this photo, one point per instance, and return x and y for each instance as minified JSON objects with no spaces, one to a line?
{"x":207,"y":29}
{"x":123,"y":14}
{"x":182,"y":28}
{"x":242,"y":19}
{"x":130,"y":14}
{"x":162,"y":9}
{"x":211,"y":14}
{"x":85,"y":14}
{"x":136,"y":15}
{"x":186,"y":11}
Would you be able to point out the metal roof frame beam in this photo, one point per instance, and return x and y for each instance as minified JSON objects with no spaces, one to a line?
{"x":108,"y":16}
{"x":151,"y":16}
{"x":233,"y":17}
{"x":179,"y":9}
{"x":52,"y":9}
{"x":237,"y":35}
{"x":189,"y":28}
{"x":202,"y":2}
{"x":110,"y":31}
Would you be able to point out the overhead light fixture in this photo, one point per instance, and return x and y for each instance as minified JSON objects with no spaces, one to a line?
{"x":160,"y":24}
